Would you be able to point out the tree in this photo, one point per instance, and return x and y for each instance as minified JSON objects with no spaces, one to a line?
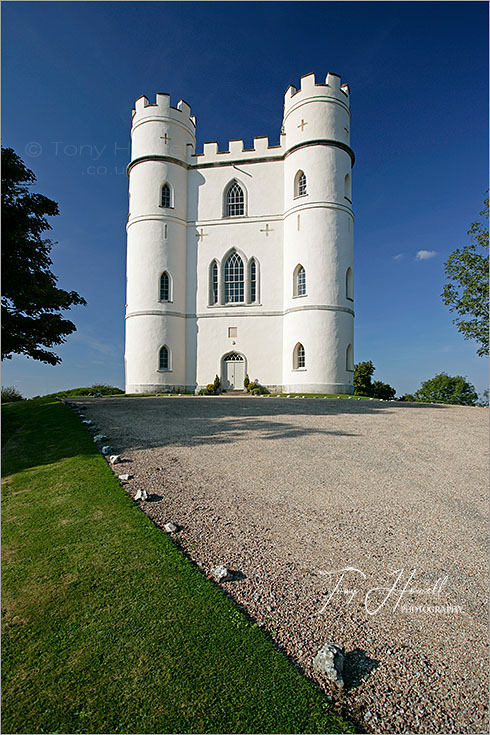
{"x":383,"y":391}
{"x":31,"y":302}
{"x":444,"y":388}
{"x":467,"y":267}
{"x":363,"y":372}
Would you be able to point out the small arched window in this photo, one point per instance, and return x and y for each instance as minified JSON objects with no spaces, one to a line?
{"x":348,"y":188}
{"x":165,"y":287}
{"x":234,"y":200}
{"x":234,"y":279}
{"x":253,"y":281}
{"x":300,"y":188}
{"x":349,"y":285}
{"x":349,"y":360}
{"x":299,"y":281}
{"x":164,"y":359}
{"x":166,"y":196}
{"x":299,"y":359}
{"x":214,"y":282}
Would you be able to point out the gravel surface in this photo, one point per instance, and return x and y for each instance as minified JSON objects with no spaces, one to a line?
{"x":288,"y":494}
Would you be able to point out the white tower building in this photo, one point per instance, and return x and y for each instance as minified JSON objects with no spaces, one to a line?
{"x":241,"y":261}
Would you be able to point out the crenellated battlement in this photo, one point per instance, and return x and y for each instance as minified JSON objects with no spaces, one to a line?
{"x":237,"y":152}
{"x":163,"y":109}
{"x":332,"y":88}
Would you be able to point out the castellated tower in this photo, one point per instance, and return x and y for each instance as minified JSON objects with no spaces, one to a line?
{"x":241,"y":261}
{"x":318,"y":236}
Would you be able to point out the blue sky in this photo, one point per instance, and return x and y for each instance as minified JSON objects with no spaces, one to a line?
{"x":418,"y":74}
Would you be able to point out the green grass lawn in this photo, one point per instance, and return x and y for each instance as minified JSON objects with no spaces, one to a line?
{"x":107,"y":626}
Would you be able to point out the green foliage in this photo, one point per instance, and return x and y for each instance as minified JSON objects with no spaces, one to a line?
{"x":383,"y":391}
{"x":444,"y":388}
{"x":409,"y":397}
{"x":251,"y":386}
{"x":106,"y":390}
{"x":210,"y":387}
{"x":10,"y":394}
{"x":31,"y":302}
{"x":363,"y":372}
{"x":467,"y":293}
{"x":97,"y":602}
{"x":216,"y":384}
{"x":246,"y":382}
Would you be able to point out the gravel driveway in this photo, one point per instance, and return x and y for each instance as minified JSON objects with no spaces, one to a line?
{"x":361,"y":523}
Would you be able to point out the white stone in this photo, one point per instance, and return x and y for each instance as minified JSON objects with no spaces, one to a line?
{"x":106,"y":450}
{"x":87,"y":422}
{"x":141,"y":495}
{"x":329,"y":661}
{"x":114,"y":459}
{"x":183,"y":241}
{"x":100,"y":437}
{"x":124,"y":477}
{"x":221,"y":573}
{"x":170,"y":527}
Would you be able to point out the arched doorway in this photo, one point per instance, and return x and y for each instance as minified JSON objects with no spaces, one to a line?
{"x":233,"y":371}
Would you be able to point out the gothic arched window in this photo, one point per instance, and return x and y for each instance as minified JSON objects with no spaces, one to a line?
{"x":299,"y":281}
{"x":214,"y":283}
{"x":348,"y":188}
{"x":164,"y":358}
{"x":234,"y":279}
{"x":349,"y":285}
{"x":234,"y":200}
{"x":299,"y":360}
{"x":166,"y":196}
{"x":253,"y":281}
{"x":165,"y":287}
{"x":300,"y":184}
{"x":349,"y":361}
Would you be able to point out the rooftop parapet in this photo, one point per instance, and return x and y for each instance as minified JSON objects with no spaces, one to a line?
{"x":310,"y":88}
{"x":162,"y":108}
{"x":237,"y":152}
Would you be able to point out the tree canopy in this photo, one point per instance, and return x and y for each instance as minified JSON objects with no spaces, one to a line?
{"x":445,"y":388}
{"x":467,"y":293}
{"x":363,"y":386}
{"x":31,"y":301}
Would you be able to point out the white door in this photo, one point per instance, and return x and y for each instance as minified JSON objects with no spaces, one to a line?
{"x":234,"y":372}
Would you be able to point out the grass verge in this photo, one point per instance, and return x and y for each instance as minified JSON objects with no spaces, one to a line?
{"x":107,"y":626}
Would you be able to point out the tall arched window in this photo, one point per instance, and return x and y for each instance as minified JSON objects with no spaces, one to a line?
{"x":348,"y":188}
{"x":234,"y":279}
{"x":234,"y":200}
{"x":214,"y":282}
{"x":349,"y":285}
{"x":164,"y":359}
{"x":299,"y":360}
{"x":165,"y":287}
{"x":300,"y":184}
{"x":253,"y":281}
{"x":349,"y":361}
{"x":299,"y":281}
{"x":166,"y":196}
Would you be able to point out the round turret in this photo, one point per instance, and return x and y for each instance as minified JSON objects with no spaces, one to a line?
{"x":163,"y":139}
{"x":318,"y":238}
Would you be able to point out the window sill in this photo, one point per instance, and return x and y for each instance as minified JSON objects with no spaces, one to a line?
{"x":164,"y":370}
{"x":160,"y":206}
{"x":300,"y":296}
{"x":235,"y":216}
{"x":232,"y":305}
{"x":166,"y":301}
{"x":300,"y":196}
{"x":299,"y":370}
